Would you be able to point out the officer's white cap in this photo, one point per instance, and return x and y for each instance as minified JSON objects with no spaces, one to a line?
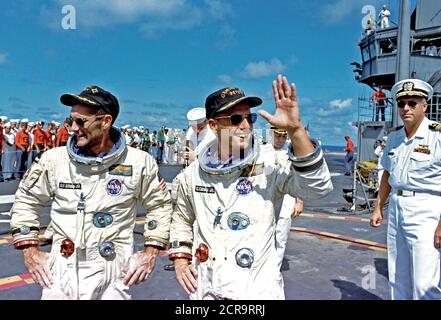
{"x":141,"y":127}
{"x":25,"y":120}
{"x":412,"y":88}
{"x":14,"y":120}
{"x":384,"y":138}
{"x":125,"y":126}
{"x":196,"y":115}
{"x":57,"y":124}
{"x":31,"y":124}
{"x":3,"y":118}
{"x":7,"y":125}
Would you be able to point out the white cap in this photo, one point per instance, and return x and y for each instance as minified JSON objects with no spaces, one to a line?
{"x":412,"y":87}
{"x":25,"y":120}
{"x":141,"y":127}
{"x":57,"y":124}
{"x":3,"y":118}
{"x":31,"y":124}
{"x":125,"y":126}
{"x":384,"y":138}
{"x":14,"y":120}
{"x":196,"y":115}
{"x":7,"y":125}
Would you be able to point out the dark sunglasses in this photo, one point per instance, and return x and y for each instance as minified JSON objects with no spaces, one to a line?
{"x":236,"y":119}
{"x":82,"y":121}
{"x":402,"y":104}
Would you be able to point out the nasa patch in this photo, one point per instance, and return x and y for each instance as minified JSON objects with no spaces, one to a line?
{"x":244,"y":187}
{"x":114,"y":187}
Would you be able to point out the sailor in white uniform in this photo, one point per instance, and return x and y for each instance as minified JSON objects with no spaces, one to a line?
{"x":412,"y":177}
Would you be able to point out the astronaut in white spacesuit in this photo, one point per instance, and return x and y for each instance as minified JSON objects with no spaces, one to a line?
{"x":94,"y":184}
{"x":231,"y":192}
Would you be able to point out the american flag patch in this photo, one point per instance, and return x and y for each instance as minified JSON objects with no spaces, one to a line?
{"x":162,"y":183}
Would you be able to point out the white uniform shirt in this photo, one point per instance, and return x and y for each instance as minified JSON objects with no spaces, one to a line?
{"x":410,"y":169}
{"x":200,"y":140}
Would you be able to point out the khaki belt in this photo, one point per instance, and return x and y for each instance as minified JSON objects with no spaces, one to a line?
{"x":409,"y":193}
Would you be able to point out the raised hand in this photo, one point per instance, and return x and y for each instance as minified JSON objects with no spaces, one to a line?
{"x":287,"y":115}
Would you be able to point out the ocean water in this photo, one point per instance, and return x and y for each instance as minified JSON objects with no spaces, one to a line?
{"x":335,"y":148}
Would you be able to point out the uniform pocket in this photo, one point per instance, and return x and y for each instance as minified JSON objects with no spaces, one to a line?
{"x":419,"y":161}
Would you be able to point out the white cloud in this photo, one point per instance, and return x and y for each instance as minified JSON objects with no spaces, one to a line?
{"x":227,"y":34}
{"x":324,"y":112}
{"x":262,"y":69}
{"x":153,"y":17}
{"x":218,"y":9}
{"x":337,"y":10}
{"x":57,"y":116}
{"x":340,"y":104}
{"x":224,"y":78}
{"x":3,"y":58}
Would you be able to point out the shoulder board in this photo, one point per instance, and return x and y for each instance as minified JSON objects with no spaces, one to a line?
{"x":395,"y":129}
{"x":435,"y":126}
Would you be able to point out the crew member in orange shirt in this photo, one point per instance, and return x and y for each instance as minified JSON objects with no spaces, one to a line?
{"x":23,"y":148}
{"x":49,"y":133}
{"x":40,"y":139}
{"x":349,"y":155}
{"x":62,"y":135}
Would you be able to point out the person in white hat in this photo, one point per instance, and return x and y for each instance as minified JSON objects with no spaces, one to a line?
{"x":412,"y":177}
{"x":9,"y":154}
{"x":199,"y":133}
{"x":14,"y":125}
{"x":384,"y":17}
{"x":2,"y":122}
{"x":379,"y":153}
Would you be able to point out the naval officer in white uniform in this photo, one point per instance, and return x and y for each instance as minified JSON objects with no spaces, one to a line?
{"x":412,"y":177}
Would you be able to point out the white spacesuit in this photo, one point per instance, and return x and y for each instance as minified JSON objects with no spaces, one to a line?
{"x":283,"y":209}
{"x":94,"y":206}
{"x":234,"y":207}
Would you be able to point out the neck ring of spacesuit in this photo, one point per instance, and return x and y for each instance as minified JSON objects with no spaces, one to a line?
{"x":210,"y":150}
{"x":105,"y":161}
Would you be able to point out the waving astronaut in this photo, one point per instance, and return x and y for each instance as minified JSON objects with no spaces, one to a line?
{"x":231,"y":191}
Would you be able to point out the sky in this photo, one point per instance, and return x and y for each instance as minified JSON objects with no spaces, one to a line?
{"x":162,"y":57}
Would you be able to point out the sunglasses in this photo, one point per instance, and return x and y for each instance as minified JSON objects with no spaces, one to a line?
{"x":82,"y":121}
{"x":236,"y":119}
{"x":402,"y":104}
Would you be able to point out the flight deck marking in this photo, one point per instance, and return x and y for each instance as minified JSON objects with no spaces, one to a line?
{"x":325,"y":216}
{"x":334,"y":236}
{"x":16,"y":281}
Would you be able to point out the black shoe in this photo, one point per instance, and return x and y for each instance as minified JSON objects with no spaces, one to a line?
{"x":347,"y":174}
{"x":285,"y":265}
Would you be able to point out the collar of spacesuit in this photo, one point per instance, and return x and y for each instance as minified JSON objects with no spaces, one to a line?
{"x":209,"y":162}
{"x":98,"y":164}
